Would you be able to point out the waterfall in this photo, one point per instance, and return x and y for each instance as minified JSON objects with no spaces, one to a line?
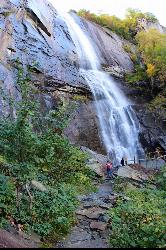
{"x":118,"y":123}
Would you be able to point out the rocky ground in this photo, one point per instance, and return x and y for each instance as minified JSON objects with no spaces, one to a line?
{"x":14,"y":239}
{"x":93,"y":224}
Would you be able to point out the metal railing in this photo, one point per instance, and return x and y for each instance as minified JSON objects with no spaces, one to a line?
{"x":153,"y":160}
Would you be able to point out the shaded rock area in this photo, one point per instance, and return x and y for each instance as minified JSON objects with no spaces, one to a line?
{"x":83,"y":129}
{"x":13,"y":239}
{"x":153,"y":128}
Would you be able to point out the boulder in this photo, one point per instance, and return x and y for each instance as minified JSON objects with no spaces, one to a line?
{"x":79,"y":235}
{"x":13,"y":240}
{"x":98,"y":225}
{"x":38,"y":185}
{"x":96,"y":161}
{"x":91,"y":213}
{"x":131,"y":173}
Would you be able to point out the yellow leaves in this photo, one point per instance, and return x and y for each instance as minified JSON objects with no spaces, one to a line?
{"x":150,"y":70}
{"x":152,"y":46}
{"x":148,"y":219}
{"x":45,"y":169}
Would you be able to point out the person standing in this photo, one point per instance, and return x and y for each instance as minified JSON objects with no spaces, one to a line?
{"x":109,"y":169}
{"x":122,"y":162}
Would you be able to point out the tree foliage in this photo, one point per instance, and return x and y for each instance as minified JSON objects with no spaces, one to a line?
{"x":152,"y":46}
{"x":33,"y":148}
{"x":140,"y":221}
{"x":126,"y":28}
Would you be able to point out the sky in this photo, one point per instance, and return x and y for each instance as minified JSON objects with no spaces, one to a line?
{"x":115,"y":7}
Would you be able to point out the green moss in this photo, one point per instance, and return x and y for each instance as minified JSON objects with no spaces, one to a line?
{"x":127,"y":48}
{"x":80,"y":98}
{"x":6,"y":14}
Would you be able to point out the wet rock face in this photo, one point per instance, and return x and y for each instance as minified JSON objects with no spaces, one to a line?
{"x":34,"y":32}
{"x":152,"y":126}
{"x":84,"y":128}
{"x":109,"y":46}
{"x":153,"y":129}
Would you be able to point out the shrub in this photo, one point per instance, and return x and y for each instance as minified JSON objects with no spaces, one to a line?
{"x":33,"y":147}
{"x":127,"y":48}
{"x":140,"y":221}
{"x":7,"y":198}
{"x":138,"y":75}
{"x":161,"y":179}
{"x":52,"y":211}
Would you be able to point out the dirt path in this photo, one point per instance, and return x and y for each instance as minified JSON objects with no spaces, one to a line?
{"x":93,"y":224}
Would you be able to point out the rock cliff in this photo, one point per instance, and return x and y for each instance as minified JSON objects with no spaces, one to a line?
{"x":32,"y":32}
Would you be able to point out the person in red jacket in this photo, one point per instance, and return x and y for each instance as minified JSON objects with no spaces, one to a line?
{"x":109,"y":168}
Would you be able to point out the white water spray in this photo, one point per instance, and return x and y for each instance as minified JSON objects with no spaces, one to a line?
{"x":118,"y":123}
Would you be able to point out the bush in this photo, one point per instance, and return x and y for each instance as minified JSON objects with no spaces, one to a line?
{"x":80,"y":98}
{"x":140,"y":221}
{"x":161,"y":179}
{"x":33,"y":147}
{"x":158,"y":105}
{"x":7,"y":199}
{"x":127,"y":48}
{"x":138,"y":75}
{"x":52,"y":211}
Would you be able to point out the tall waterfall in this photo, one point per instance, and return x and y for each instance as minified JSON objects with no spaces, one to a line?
{"x":118,"y":123}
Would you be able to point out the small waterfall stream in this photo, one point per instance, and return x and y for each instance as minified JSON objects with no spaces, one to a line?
{"x":118,"y":123}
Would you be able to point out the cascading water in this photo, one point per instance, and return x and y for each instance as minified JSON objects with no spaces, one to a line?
{"x":118,"y":123}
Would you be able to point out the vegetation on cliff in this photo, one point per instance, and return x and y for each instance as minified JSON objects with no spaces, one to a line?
{"x":149,"y":56}
{"x":151,"y":69}
{"x":126,"y":28}
{"x":40,"y":171}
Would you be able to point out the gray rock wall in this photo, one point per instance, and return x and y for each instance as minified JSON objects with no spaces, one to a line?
{"x":32,"y":31}
{"x":84,"y":128}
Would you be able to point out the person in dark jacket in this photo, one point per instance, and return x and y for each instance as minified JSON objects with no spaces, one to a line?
{"x":122,"y":162}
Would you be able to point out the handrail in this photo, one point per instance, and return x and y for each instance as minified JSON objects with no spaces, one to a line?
{"x":151,"y":158}
{"x":147,"y":160}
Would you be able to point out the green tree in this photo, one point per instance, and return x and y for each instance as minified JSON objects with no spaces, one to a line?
{"x":152,"y":46}
{"x":33,"y":149}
